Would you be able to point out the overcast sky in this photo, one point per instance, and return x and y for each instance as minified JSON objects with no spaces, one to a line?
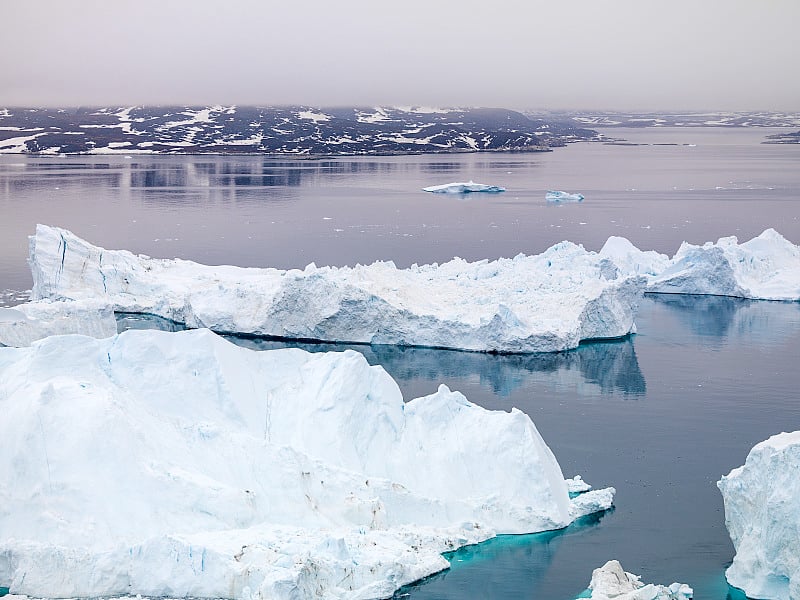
{"x":553,"y":54}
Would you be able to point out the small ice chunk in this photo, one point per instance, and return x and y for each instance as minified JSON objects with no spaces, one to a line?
{"x":463,"y":188}
{"x":559,"y":196}
{"x":577,"y":485}
{"x":591,"y":502}
{"x":611,"y":582}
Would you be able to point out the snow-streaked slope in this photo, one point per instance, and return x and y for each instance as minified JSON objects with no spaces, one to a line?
{"x":178,"y":464}
{"x":543,"y":303}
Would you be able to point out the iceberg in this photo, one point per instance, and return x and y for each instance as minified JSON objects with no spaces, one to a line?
{"x":762,"y":514}
{"x":463,"y":188}
{"x":25,"y":323}
{"x":559,"y":196}
{"x":611,"y":582}
{"x":544,"y":303}
{"x":180,"y":465}
{"x":765,"y":268}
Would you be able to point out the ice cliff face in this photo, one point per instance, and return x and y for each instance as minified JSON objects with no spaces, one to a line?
{"x":178,"y":464}
{"x":762,"y":513}
{"x":543,"y":303}
{"x":26,"y":323}
{"x":764,"y":268}
{"x":611,"y":582}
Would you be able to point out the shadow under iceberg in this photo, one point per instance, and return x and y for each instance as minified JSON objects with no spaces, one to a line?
{"x":610,"y":365}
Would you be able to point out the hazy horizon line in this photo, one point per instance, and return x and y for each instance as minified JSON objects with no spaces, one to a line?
{"x":401,"y":106}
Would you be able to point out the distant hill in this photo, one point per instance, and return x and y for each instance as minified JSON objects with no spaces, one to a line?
{"x":672,"y":119}
{"x":288,"y":130}
{"x":784,"y":138}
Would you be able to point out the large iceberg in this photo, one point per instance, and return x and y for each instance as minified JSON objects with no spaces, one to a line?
{"x":178,"y":464}
{"x":762,"y":514}
{"x":611,"y":582}
{"x":543,"y":303}
{"x":463,"y":188}
{"x":25,"y":323}
{"x":765,"y":268}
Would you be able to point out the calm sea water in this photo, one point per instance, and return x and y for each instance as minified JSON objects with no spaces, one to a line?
{"x":660,"y":416}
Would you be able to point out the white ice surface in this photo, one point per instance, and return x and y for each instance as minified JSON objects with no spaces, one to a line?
{"x":24,"y":324}
{"x":178,"y":464}
{"x":611,"y":582}
{"x":767,"y":267}
{"x":463,"y":188}
{"x":548,"y":302}
{"x":762,"y":514}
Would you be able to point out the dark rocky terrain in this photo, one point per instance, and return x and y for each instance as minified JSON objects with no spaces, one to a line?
{"x":784,"y":138}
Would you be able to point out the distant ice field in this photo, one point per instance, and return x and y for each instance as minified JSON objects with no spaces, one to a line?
{"x":660,"y":415}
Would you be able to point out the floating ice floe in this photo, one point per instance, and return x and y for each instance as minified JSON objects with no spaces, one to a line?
{"x":463,"y":188}
{"x":766,"y":268}
{"x":762,"y":514}
{"x":180,"y":465}
{"x":611,"y":582}
{"x":25,"y":323}
{"x":577,"y":485}
{"x":559,"y":196}
{"x":543,"y":303}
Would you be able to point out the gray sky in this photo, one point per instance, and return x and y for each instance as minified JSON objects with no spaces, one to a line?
{"x":592,"y":54}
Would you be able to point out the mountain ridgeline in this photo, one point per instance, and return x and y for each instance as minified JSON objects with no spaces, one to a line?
{"x":288,"y":130}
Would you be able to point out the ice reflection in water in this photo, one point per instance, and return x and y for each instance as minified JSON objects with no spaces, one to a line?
{"x":723,"y":317}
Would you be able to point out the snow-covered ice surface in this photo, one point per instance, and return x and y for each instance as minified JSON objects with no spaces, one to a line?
{"x":463,"y":188}
{"x":611,"y":582}
{"x":762,"y":514}
{"x":178,"y":464}
{"x":543,"y":303}
{"x":559,"y":196}
{"x":765,"y":268}
{"x":25,"y":323}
